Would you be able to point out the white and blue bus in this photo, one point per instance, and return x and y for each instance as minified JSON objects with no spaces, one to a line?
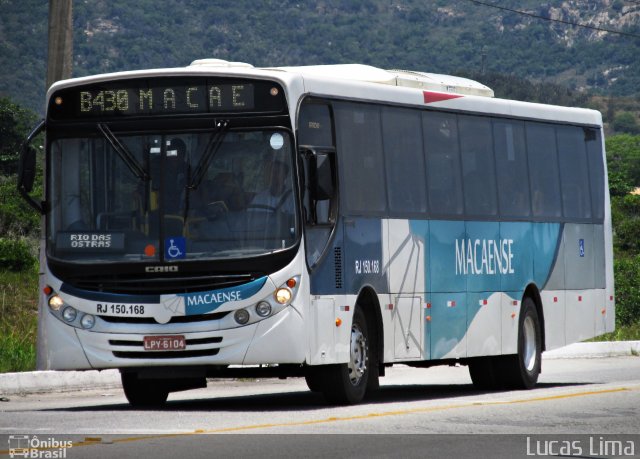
{"x":326,"y":222}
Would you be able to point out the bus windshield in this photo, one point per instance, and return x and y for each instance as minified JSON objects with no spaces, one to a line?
{"x":171,"y":197}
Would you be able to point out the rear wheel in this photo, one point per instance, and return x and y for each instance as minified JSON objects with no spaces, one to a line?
{"x":144,"y":393}
{"x":521,"y":371}
{"x":483,"y":373}
{"x":347,"y":383}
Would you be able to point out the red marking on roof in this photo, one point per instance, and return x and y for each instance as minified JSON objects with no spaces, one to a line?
{"x":431,"y":97}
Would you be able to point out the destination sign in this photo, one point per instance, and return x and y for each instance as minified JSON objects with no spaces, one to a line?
{"x":165,"y":96}
{"x":84,"y":241}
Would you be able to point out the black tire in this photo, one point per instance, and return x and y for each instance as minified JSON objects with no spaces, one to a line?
{"x":314,"y":379}
{"x":483,"y":373}
{"x":347,"y":383}
{"x":144,"y":393}
{"x":521,"y":371}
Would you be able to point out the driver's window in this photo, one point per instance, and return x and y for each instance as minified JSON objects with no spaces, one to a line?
{"x":317,"y":145}
{"x":315,"y":133}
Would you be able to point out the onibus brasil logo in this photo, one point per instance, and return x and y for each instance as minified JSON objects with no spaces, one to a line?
{"x":34,"y":447}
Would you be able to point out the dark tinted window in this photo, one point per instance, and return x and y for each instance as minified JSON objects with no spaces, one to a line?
{"x":478,"y":170}
{"x":574,"y":172}
{"x":359,"y":149}
{"x":404,"y":160}
{"x":314,"y":125}
{"x":596,"y":171}
{"x":511,"y":168}
{"x":443,"y":164}
{"x":543,"y":170}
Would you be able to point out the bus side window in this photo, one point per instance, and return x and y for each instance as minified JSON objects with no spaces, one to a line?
{"x":593,"y":141}
{"x":511,"y":168}
{"x":478,"y":170}
{"x":404,"y":161}
{"x":359,"y":143}
{"x":440,"y":133}
{"x":574,"y":171}
{"x":543,"y":170}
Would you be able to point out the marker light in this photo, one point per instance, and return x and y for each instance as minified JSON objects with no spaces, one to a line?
{"x":87,"y":321}
{"x":283,"y":295}
{"x":263,"y":309}
{"x":241,"y":316}
{"x":58,"y":100}
{"x":69,"y":314}
{"x":274,"y":91}
{"x":47,"y":290}
{"x":55,"y":303}
{"x":291,"y":283}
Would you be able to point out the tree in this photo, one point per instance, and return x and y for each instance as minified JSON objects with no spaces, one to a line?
{"x":626,"y":122}
{"x":15,"y":123}
{"x":623,"y":158}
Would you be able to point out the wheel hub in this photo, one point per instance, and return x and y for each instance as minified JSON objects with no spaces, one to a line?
{"x":358,"y":358}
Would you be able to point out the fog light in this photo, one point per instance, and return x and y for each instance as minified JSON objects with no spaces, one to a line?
{"x":69,"y":314}
{"x":87,"y":321}
{"x":283,"y":295}
{"x":55,"y":303}
{"x":241,"y":316}
{"x":263,"y":309}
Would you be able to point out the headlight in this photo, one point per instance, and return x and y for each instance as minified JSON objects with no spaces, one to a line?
{"x":283,"y":295}
{"x":241,"y":316}
{"x":55,"y":303}
{"x":263,"y":309}
{"x":87,"y":321}
{"x":69,"y":314}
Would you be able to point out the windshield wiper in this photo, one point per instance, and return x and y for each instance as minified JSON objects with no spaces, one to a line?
{"x":210,"y":151}
{"x":126,"y":156}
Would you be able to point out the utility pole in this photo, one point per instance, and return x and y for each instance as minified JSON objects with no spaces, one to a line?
{"x":60,"y":56}
{"x":483,"y":54}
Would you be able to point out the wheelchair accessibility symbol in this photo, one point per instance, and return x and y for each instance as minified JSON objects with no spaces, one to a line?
{"x":175,"y":248}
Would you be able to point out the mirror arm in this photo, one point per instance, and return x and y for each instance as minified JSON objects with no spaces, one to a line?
{"x":22,"y":188}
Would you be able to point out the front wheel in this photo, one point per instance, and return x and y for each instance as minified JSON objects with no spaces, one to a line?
{"x":144,"y":393}
{"x":347,"y":383}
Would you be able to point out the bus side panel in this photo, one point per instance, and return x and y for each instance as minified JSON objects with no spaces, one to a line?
{"x":484,"y":334}
{"x":448,"y":325}
{"x":363,"y":255}
{"x":510,"y":308}
{"x":448,"y":291}
{"x":554,"y":310}
{"x":580,"y":283}
{"x":405,"y":265}
{"x":408,"y":245}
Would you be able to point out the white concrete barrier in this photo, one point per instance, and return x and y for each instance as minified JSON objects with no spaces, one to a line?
{"x":31,"y":382}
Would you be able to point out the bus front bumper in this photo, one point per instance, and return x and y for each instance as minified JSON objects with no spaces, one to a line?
{"x":276,"y":340}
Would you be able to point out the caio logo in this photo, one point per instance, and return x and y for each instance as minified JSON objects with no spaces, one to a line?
{"x":161,"y":269}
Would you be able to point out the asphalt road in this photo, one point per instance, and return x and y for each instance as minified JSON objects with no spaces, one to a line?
{"x":581,"y":405}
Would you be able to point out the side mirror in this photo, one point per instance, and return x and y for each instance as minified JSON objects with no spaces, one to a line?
{"x":27,"y":168}
{"x":322,"y":184}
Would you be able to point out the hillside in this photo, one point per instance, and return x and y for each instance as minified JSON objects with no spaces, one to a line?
{"x":454,"y":36}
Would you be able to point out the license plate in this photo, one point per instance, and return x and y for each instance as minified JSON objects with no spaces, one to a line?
{"x":164,"y":343}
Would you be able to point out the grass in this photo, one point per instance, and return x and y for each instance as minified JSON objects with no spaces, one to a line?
{"x":623,"y":333}
{"x":18,"y":320}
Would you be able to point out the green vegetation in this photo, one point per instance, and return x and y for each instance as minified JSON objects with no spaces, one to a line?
{"x":622,"y":333}
{"x":18,"y":319}
{"x":435,"y":36}
{"x":19,"y":230}
{"x":623,"y":160}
